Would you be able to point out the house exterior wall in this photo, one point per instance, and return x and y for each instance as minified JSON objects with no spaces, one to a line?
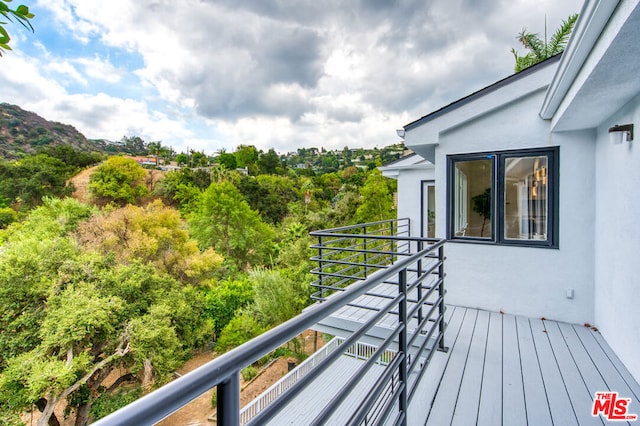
{"x":525,"y":280}
{"x":409,"y":190}
{"x":617,"y":241}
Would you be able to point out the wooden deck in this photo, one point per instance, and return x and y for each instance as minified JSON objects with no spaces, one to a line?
{"x":512,"y":370}
{"x":500,"y":370}
{"x":310,"y":402}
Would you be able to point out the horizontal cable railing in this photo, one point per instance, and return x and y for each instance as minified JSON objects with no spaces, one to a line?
{"x":390,"y":371}
{"x":350,"y":254}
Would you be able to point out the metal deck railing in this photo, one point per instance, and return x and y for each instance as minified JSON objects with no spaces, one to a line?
{"x":359,"y":350}
{"x":413,"y":267}
{"x":351,"y":253}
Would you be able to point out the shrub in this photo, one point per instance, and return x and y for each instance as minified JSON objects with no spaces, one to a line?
{"x":248,"y":373}
{"x":240,"y":329}
{"x":118,"y":179}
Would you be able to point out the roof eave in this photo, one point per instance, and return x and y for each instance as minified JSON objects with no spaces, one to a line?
{"x":480,"y":93}
{"x":593,"y":18}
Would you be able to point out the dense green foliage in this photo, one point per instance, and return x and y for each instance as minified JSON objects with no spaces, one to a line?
{"x":136,"y":289}
{"x":539,"y":50}
{"x":227,"y":298}
{"x":23,"y":183}
{"x":119,"y":180}
{"x":377,"y":201}
{"x":225,"y":221}
{"x":73,"y":310}
{"x":153,"y":234}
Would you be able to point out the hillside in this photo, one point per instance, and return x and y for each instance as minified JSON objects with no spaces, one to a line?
{"x":24,"y":132}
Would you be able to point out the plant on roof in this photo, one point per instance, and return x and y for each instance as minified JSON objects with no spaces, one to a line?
{"x":539,"y":50}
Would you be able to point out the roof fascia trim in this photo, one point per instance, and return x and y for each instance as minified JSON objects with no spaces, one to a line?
{"x":480,"y":93}
{"x":593,"y":18}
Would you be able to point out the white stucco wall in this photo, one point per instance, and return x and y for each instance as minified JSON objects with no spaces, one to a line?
{"x":409,"y":183}
{"x":617,"y":242}
{"x":521,"y":280}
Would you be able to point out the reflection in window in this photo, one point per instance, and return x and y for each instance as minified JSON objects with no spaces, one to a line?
{"x":504,"y":197}
{"x":472,"y":198}
{"x":525,"y":198}
{"x":431,"y":211}
{"x":428,"y":209}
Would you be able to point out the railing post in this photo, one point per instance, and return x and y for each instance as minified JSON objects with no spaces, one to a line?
{"x":402,"y":345}
{"x":364,"y":246}
{"x":420,"y":316}
{"x":228,"y":403}
{"x":320,"y":263}
{"x":394,"y":243}
{"x":441,"y":307}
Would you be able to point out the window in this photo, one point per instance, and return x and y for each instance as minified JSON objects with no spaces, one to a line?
{"x":428,"y":196}
{"x":506,"y":197}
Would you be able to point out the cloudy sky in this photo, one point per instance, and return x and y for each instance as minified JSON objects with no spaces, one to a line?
{"x":283,"y":74}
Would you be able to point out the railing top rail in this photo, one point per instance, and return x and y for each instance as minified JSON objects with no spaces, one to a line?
{"x":159,"y":404}
{"x":359,"y":226}
{"x":369,"y":236}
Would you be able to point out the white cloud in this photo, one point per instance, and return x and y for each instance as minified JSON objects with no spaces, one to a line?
{"x":101,"y":69}
{"x":67,"y":71}
{"x":220,"y":73}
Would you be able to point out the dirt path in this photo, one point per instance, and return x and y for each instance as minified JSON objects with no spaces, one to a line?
{"x":198,"y":411}
{"x":81,"y":184}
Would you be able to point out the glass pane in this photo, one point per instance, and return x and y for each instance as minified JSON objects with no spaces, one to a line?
{"x":472,"y":198}
{"x":525,"y":198}
{"x":431,"y":211}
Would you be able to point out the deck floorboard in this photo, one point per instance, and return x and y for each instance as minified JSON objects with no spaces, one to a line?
{"x":500,"y":369}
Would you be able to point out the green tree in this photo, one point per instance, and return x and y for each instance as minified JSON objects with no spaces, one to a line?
{"x":199,"y":159}
{"x":240,"y":329}
{"x":329,"y":185}
{"x":269,"y":195}
{"x":152,"y":234}
{"x":155,"y":149}
{"x":118,"y":179}
{"x":7,"y":216}
{"x":269,"y":163}
{"x":70,"y":318}
{"x":182,"y":159}
{"x":183,"y":187}
{"x":24,"y":183}
{"x":246,"y":155}
{"x":377,"y":201}
{"x":74,"y":159}
{"x":278,"y":296}
{"x":20,"y":14}
{"x":223,"y":220}
{"x":225,"y":299}
{"x":539,"y":50}
{"x":134,"y":145}
{"x":227,"y":160}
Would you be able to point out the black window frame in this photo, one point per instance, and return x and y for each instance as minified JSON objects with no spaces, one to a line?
{"x":498,"y":159}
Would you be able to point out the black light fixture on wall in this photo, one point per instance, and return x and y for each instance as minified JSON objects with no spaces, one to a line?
{"x":621,"y":133}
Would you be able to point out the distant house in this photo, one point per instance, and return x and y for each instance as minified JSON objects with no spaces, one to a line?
{"x":144,"y":160}
{"x":539,"y":208}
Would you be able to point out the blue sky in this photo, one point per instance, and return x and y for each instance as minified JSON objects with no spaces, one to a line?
{"x":214,"y":74}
